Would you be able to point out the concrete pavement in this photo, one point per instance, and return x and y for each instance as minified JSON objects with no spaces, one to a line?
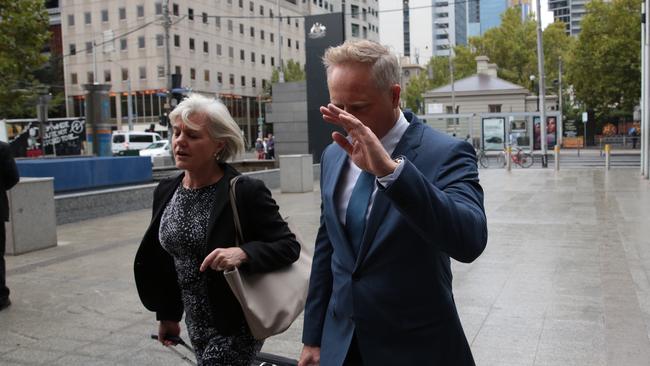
{"x":564,"y":280}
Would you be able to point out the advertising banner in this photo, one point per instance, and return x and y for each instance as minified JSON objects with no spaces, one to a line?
{"x":494,"y":133}
{"x":551,"y":132}
{"x":63,"y":136}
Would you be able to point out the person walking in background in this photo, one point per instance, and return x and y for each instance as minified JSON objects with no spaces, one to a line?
{"x":398,"y":201}
{"x":8,"y":178}
{"x":259,"y":148}
{"x":191,"y":238}
{"x":270,"y":147}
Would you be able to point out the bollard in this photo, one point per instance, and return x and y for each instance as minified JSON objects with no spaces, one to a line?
{"x":607,"y":153}
{"x":556,"y":152}
{"x":509,"y":158}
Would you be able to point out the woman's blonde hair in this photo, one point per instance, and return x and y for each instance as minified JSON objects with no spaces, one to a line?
{"x":220,"y":124}
{"x":383,"y":63}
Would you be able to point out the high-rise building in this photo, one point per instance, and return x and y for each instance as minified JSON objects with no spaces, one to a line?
{"x":224,"y":48}
{"x":570,"y":12}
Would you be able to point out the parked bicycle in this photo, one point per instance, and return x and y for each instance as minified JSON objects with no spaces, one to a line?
{"x":518,"y":157}
{"x":482,"y":158}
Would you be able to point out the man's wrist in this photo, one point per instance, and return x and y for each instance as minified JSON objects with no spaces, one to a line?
{"x":394,"y":163}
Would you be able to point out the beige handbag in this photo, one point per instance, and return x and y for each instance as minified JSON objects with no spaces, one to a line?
{"x":271,"y":301}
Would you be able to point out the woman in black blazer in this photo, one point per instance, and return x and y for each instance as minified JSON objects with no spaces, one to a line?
{"x":191,"y":238}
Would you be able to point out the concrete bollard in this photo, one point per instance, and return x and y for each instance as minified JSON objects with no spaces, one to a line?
{"x":607,"y":156}
{"x":509,"y":158}
{"x":296,"y":173}
{"x":556,"y":152}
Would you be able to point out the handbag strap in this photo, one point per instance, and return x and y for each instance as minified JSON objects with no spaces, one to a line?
{"x":239,"y":234}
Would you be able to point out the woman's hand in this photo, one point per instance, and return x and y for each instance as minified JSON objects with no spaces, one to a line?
{"x":166,"y":329}
{"x":224,"y":259}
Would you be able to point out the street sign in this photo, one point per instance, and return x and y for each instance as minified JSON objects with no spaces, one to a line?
{"x":260,"y":120}
{"x":585,"y":117}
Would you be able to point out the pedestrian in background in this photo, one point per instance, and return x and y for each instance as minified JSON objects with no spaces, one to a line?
{"x":191,"y":238}
{"x":270,"y":147}
{"x":8,"y":178}
{"x":259,"y":148}
{"x":398,"y":201}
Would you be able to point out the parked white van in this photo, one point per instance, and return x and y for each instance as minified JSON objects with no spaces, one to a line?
{"x":132,"y":140}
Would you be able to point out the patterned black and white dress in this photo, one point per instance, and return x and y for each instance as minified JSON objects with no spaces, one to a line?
{"x":183,"y":231}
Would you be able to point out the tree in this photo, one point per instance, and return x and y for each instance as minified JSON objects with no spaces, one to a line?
{"x":23,"y":33}
{"x":605,"y":69}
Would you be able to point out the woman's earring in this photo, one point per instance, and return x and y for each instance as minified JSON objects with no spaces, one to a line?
{"x":217,"y":156}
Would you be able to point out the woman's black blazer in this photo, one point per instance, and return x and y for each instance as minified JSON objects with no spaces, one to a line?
{"x":269,"y":245}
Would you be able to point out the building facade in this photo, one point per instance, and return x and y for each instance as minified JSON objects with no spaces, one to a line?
{"x":224,"y":48}
{"x":570,"y":12}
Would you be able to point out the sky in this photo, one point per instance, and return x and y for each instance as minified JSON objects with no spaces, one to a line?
{"x":547,"y":16}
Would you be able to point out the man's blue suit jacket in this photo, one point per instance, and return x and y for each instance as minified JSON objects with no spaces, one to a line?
{"x":397,"y":294}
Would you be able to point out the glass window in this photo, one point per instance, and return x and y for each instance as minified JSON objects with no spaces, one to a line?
{"x":90,"y":77}
{"x":355,"y":30}
{"x":158,"y":7}
{"x":141,"y":42}
{"x":262,"y":34}
{"x":161,"y":71}
{"x":242,"y":56}
{"x":263,"y":60}
{"x":89,"y":47}
{"x":160,"y":40}
{"x":142,"y":70}
{"x":218,"y":49}
{"x":177,"y":40}
{"x":206,"y":75}
{"x":231,"y":52}
{"x":177,"y":70}
{"x":220,"y":78}
{"x":205,"y":47}
{"x":261,"y":9}
{"x":175,"y":9}
{"x":104,"y":15}
{"x":232,"y":79}
{"x":253,"y":57}
{"x":122,"y":13}
{"x":87,"y":17}
{"x":253,"y":32}
{"x":191,"y":44}
{"x":243,"y":80}
{"x":70,"y":20}
{"x":217,"y":20}
{"x":355,"y":11}
{"x":73,"y":49}
{"x":140,"y":11}
{"x":241,"y":29}
{"x":251,"y":6}
{"x":190,"y":13}
{"x":229,"y":25}
{"x":73,"y":78}
{"x":272,"y":61}
{"x":192,"y":73}
{"x":125,"y":74}
{"x":107,"y":76}
{"x":123,"y":44}
{"x":204,"y":17}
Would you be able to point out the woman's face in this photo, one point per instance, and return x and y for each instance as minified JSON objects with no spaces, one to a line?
{"x":194,"y":149}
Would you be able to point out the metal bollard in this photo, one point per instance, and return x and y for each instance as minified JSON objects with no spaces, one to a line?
{"x":607,"y":155}
{"x":556,"y":152}
{"x":509,"y":158}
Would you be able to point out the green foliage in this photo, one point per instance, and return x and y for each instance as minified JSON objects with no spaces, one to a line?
{"x":605,"y":69}
{"x":23,"y":33}
{"x":292,"y":72}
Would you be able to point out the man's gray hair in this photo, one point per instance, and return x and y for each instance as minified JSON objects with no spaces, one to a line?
{"x":220,"y":124}
{"x":383,"y":63}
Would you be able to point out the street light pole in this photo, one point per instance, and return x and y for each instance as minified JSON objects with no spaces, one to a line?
{"x":542,"y":102}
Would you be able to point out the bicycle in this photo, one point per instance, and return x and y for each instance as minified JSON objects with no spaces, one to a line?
{"x":482,"y":158}
{"x":520,"y":157}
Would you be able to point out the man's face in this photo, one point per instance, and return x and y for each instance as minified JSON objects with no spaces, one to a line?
{"x":353,"y":89}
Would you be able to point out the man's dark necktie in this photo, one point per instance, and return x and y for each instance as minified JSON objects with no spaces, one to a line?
{"x":355,"y":216}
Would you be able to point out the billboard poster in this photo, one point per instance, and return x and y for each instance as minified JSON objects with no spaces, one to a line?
{"x":551,"y":132}
{"x":494,"y":133}
{"x":63,"y":136}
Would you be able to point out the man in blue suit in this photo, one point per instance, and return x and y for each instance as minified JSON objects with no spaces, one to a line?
{"x":398,"y":201}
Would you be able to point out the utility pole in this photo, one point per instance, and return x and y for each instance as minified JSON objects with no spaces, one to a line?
{"x":542,"y":101}
{"x":560,"y":122}
{"x":280,"y":65}
{"x":166,"y":25}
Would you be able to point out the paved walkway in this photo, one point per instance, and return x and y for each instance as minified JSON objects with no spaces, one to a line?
{"x":564,"y":280}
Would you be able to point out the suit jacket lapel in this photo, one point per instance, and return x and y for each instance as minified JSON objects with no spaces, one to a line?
{"x":406,"y":147}
{"x":334,"y":226}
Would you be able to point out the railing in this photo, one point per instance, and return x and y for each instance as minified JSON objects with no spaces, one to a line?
{"x":620,"y":141}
